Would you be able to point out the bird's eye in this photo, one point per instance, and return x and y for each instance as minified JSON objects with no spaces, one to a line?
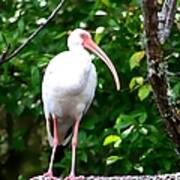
{"x":84,"y":36}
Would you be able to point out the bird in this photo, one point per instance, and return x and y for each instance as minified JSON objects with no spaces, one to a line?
{"x":68,"y":89}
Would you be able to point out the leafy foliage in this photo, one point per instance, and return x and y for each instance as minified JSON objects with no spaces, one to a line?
{"x":122,"y":133}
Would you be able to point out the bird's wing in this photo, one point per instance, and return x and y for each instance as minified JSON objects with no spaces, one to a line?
{"x":92,"y":85}
{"x":49,"y":127}
{"x":57,"y":96}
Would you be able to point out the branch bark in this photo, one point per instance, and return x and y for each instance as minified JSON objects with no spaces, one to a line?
{"x":6,"y":56}
{"x":157,"y":68}
{"x":175,"y":176}
{"x":166,"y":17}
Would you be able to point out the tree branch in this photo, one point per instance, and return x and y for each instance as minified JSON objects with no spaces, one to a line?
{"x":166,"y":17}
{"x":175,"y":74}
{"x":157,"y":68}
{"x":5,"y":57}
{"x":143,"y":177}
{"x":4,"y":54}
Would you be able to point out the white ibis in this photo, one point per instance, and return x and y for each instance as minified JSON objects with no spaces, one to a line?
{"x":68,"y":89}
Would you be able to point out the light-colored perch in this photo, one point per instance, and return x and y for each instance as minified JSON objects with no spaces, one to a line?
{"x":175,"y":176}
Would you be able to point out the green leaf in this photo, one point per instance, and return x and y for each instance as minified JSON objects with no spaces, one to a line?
{"x":83,"y":156}
{"x":167,"y":165}
{"x":89,"y":123}
{"x":136,"y":58}
{"x":21,"y":26}
{"x":144,"y":91}
{"x":176,"y":91}
{"x":99,"y":34}
{"x":139,"y":168}
{"x":35,"y":79}
{"x":117,"y":143}
{"x":82,"y":137}
{"x":126,"y":132}
{"x":60,"y":35}
{"x":123,"y":121}
{"x":112,"y":159}
{"x":21,"y":177}
{"x":142,"y":118}
{"x":144,"y":131}
{"x":106,"y":2}
{"x":136,"y":81}
{"x":111,"y":139}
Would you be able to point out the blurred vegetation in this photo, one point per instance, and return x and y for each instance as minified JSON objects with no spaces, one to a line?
{"x":122,"y":132}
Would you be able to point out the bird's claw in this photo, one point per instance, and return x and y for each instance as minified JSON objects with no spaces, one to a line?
{"x":49,"y":176}
{"x":44,"y":177}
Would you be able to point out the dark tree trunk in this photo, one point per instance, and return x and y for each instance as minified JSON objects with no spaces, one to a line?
{"x":157,"y":68}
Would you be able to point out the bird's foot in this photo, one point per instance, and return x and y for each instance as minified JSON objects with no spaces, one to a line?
{"x":71,"y":177}
{"x":49,"y":176}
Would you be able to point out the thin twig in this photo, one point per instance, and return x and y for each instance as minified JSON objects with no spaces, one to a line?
{"x":173,"y":74}
{"x":33,"y":35}
{"x":4,"y":54}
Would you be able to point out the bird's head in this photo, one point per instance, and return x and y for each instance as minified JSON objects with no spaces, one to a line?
{"x":76,"y":38}
{"x":80,"y":38}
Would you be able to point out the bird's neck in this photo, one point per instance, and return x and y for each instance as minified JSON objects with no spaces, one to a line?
{"x":76,"y":47}
{"x":79,"y":50}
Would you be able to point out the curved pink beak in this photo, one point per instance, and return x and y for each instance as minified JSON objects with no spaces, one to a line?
{"x":91,"y":45}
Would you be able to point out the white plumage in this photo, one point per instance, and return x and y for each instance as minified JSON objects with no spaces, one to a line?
{"x":68,"y":89}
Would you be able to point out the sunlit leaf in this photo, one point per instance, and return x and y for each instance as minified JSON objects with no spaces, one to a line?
{"x":111,"y":139}
{"x":144,"y":91}
{"x":136,"y":81}
{"x":99,"y":34}
{"x":126,"y":132}
{"x":112,"y":159}
{"x":139,"y":168}
{"x":144,"y":131}
{"x":136,"y":58}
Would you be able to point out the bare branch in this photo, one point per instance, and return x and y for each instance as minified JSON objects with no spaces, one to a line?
{"x":157,"y":68}
{"x":4,"y":58}
{"x":4,"y":54}
{"x":166,"y":17}
{"x":173,"y":74}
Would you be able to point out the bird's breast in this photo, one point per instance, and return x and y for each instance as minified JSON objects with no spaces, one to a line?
{"x":68,"y":72}
{"x":68,"y":84}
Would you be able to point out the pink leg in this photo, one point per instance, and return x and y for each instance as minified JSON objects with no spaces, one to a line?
{"x":74,"y":145}
{"x":55,"y":144}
